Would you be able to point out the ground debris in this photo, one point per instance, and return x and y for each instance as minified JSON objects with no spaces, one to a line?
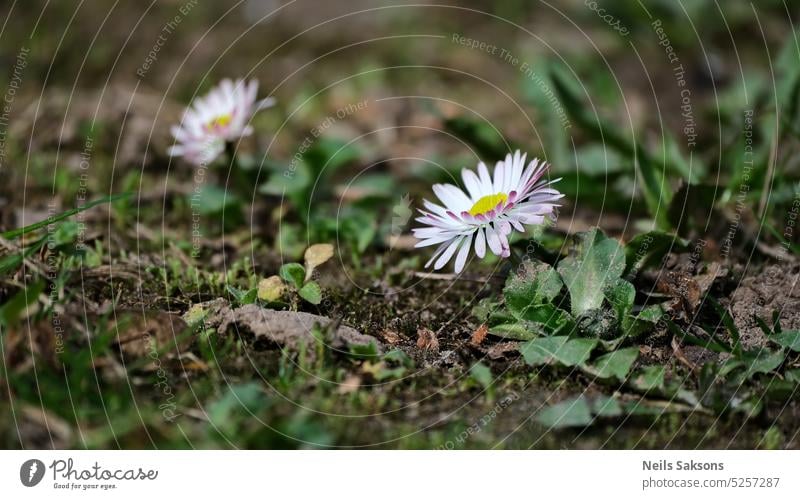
{"x":479,"y":335}
{"x":281,"y":328}
{"x":426,"y":340}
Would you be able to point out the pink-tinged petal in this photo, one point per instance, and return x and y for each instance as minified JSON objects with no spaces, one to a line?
{"x":518,"y":226}
{"x":506,"y":248}
{"x":519,"y":168}
{"x":480,"y":243}
{"x":493,"y":240}
{"x":426,"y":232}
{"x":512,"y":196}
{"x":461,"y":259}
{"x":448,"y":254}
{"x":529,"y":171}
{"x":436,"y":254}
{"x":432,"y":241}
{"x":504,"y":228}
{"x":531,"y":219}
{"x":467,"y":218}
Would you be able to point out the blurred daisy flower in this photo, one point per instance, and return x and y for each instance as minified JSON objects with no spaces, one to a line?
{"x":219,"y":117}
{"x":488,"y":211}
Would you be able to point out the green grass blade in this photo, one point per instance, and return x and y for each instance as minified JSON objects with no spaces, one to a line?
{"x":729,"y":324}
{"x":15,"y":233}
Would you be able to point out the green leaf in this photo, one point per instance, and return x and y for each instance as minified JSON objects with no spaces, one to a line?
{"x":212,"y":200}
{"x":621,"y":295}
{"x":757,"y":362}
{"x":15,"y":233}
{"x":521,"y":330}
{"x":481,"y":373}
{"x":787,"y":339}
{"x":10,"y":263}
{"x":569,"y":413}
{"x":599,"y":263}
{"x":561,"y":349}
{"x":676,"y":162}
{"x":243,"y":297}
{"x":599,"y":161}
{"x":615,"y":364}
{"x":399,"y":357}
{"x":649,"y":248}
{"x":647,"y":318}
{"x":285,"y":181}
{"x":606,"y":407}
{"x":243,"y":399}
{"x":329,"y":154}
{"x":364,"y":351}
{"x":12,"y":310}
{"x":293,"y":273}
{"x":762,"y":362}
{"x":311,"y":293}
{"x":736,"y":343}
{"x":649,"y":378}
{"x":535,"y":283}
{"x":555,"y":320}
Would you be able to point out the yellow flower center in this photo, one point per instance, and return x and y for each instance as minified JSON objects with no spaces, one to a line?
{"x":486,"y":203}
{"x":220,"y":121}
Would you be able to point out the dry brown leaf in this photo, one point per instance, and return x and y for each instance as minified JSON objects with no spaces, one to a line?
{"x":350,"y":384}
{"x":426,"y":340}
{"x":316,"y":255}
{"x":390,"y":337}
{"x":501,"y":349}
{"x":479,"y":335}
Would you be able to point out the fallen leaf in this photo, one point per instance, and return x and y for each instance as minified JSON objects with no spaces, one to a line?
{"x":350,"y":384}
{"x":271,"y":289}
{"x":426,"y":340}
{"x":390,"y":337}
{"x":479,"y":335}
{"x":316,"y":255}
{"x":500,"y":350}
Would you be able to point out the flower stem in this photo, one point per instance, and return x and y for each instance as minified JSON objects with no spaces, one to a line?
{"x":230,"y":151}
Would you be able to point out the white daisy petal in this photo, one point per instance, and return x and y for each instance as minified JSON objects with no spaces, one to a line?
{"x":472,"y":183}
{"x":447,"y":254}
{"x":488,"y":210}
{"x":480,"y":244}
{"x":461,"y":259}
{"x":220,"y":116}
{"x":493,"y":240}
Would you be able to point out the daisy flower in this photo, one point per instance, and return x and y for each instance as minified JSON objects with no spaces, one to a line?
{"x":220,"y":116}
{"x":488,"y":211}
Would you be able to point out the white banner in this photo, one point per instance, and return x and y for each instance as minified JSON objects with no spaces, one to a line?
{"x":400,"y":474}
